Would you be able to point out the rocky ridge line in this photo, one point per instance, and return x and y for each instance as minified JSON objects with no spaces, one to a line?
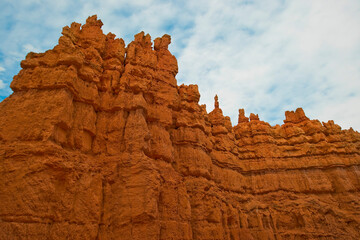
{"x":99,"y":142}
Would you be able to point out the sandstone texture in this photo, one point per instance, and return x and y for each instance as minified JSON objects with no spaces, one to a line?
{"x":99,"y":142}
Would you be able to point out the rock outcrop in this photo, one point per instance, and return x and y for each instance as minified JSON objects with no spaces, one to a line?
{"x":99,"y":142}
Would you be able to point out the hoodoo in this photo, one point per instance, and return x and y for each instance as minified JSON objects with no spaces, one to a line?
{"x":99,"y":142}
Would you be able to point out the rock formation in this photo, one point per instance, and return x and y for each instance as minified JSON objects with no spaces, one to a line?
{"x":99,"y":142}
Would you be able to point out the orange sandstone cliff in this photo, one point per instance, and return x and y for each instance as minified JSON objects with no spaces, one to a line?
{"x":99,"y":142}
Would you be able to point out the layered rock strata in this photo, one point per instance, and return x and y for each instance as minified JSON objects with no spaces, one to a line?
{"x":99,"y":142}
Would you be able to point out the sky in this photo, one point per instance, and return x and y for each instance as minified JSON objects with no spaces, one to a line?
{"x":265,"y":56}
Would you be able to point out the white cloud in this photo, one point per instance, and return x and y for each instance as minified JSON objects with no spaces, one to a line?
{"x":2,"y":69}
{"x":264,"y":56}
{"x":30,"y":48}
{"x":277,"y":57}
{"x":2,"y":84}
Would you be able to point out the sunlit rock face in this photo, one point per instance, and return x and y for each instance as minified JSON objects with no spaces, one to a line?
{"x":99,"y":142}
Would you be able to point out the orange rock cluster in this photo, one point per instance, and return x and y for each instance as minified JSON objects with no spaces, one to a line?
{"x":98,"y":142}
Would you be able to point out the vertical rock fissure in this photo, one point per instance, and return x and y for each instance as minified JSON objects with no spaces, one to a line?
{"x":101,"y":220}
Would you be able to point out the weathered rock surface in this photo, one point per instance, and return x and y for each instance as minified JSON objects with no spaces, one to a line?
{"x":98,"y":142}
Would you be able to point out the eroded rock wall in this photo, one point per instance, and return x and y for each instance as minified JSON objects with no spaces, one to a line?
{"x":99,"y":142}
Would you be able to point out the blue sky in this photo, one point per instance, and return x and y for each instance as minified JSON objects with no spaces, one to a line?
{"x":264,"y":56}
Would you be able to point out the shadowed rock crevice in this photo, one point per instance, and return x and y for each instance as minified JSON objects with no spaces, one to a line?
{"x":99,"y":142}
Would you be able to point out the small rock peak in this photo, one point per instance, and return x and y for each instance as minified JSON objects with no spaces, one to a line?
{"x":242,"y":117}
{"x":216,"y":116}
{"x":72,"y":32}
{"x":203,"y":108}
{"x":300,"y":112}
{"x":216,"y":104}
{"x":142,"y":39}
{"x":332,"y":127}
{"x":162,"y":43}
{"x":93,"y":21}
{"x":189,"y":93}
{"x":254,"y":117}
{"x":139,"y":36}
{"x":75,"y":27}
{"x":295,"y":117}
{"x":89,"y":34}
{"x":110,"y":36}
